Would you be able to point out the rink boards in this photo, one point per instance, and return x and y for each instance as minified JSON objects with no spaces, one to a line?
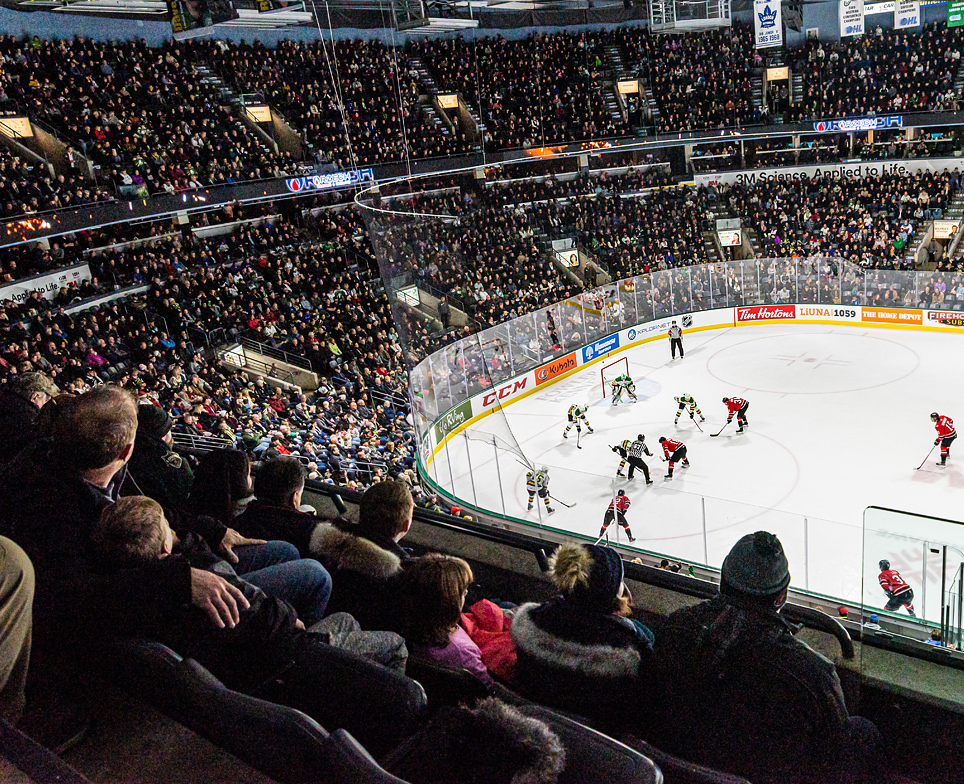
{"x":470,"y":411}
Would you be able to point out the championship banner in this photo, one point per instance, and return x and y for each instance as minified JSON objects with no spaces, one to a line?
{"x":767,"y":23}
{"x":907,"y":14}
{"x":46,"y":285}
{"x":851,"y":14}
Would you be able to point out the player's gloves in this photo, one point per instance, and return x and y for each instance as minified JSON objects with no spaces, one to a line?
{"x":937,"y":442}
{"x":614,"y":449}
{"x":729,"y":419}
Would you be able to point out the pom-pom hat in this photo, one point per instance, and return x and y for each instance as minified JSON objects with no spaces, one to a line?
{"x":756,"y":566}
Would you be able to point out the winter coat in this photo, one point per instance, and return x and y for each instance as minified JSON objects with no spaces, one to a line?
{"x":157,"y":471}
{"x":490,"y":629}
{"x":366,"y":574}
{"x":579,"y":660}
{"x":740,"y":693}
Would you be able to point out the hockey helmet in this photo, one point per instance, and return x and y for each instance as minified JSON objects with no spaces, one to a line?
{"x":640,"y":437}
{"x":884,"y":565}
{"x":620,"y":492}
{"x":935,"y":416}
{"x":544,"y":469}
{"x":662,"y":439}
{"x":726,"y":400}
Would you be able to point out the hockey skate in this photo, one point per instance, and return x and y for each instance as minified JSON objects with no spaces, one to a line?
{"x":649,"y":481}
{"x":631,"y":538}
{"x":739,"y":430}
{"x":566,"y":434}
{"x":668,"y":476}
{"x":941,"y":465}
{"x":529,"y":507}
{"x":685,"y":464}
{"x":550,"y":510}
{"x":702,"y":418}
{"x":620,"y":473}
{"x":590,"y":429}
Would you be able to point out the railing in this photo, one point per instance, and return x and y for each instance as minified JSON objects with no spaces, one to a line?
{"x":276,"y":353}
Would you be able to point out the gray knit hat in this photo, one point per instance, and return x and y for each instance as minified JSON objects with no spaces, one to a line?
{"x":756,"y":566}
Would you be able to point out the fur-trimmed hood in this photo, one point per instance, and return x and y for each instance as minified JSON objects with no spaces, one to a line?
{"x":341,"y":550}
{"x":556,"y":635}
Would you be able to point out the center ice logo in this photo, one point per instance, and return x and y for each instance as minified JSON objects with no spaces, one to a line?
{"x":768,"y":18}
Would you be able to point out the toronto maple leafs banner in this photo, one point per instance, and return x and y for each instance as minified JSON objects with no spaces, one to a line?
{"x":767,"y":23}
{"x":907,"y":14}
{"x":851,"y":13}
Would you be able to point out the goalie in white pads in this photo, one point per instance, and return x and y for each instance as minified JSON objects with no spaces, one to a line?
{"x":538,"y":481}
{"x":577,"y":413}
{"x":623,"y":383}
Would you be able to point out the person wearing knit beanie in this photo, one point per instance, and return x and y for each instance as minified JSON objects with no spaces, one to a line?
{"x":756,"y":566}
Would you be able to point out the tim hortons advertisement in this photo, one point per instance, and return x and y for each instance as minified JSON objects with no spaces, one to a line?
{"x":839,"y":172}
{"x":557,"y":367}
{"x":766,"y":313}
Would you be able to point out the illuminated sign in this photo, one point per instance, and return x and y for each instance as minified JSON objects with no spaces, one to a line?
{"x":862,"y":124}
{"x":448,"y":101}
{"x":16,"y":127}
{"x":258,"y":113}
{"x":321,"y":182}
{"x":628,"y":86}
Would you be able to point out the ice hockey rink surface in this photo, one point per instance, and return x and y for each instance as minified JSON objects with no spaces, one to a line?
{"x":838,"y":421}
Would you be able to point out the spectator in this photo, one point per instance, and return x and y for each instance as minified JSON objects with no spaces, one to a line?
{"x":580,"y":651}
{"x":274,"y":513}
{"x":20,"y":402}
{"x":760,"y":703}
{"x":434,"y":593}
{"x":222,"y":485}
{"x":366,"y":560}
{"x":155,"y":468}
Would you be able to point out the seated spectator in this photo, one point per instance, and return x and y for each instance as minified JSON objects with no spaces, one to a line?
{"x":265,"y":635}
{"x":274,"y":512}
{"x":579,"y":651}
{"x":365,"y":560}
{"x":435,"y":590}
{"x":489,"y":744}
{"x":155,"y":468}
{"x":222,"y":485}
{"x":758,"y":702}
{"x":21,"y":399}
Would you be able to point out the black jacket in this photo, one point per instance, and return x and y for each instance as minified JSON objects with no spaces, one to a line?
{"x":17,"y":423}
{"x":157,"y":471}
{"x":50,"y":511}
{"x":742,"y":694}
{"x":366,"y":573}
{"x":261,"y":520}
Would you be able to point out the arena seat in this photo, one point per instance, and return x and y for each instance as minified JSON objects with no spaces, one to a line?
{"x":679,"y":771}
{"x":38,"y":764}
{"x":445,"y":685}
{"x":592,"y":756}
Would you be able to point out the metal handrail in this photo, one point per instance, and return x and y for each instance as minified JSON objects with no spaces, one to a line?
{"x":276,"y":353}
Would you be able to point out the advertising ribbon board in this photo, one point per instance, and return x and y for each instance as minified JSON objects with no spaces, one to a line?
{"x":955,"y":13}
{"x":767,"y":23}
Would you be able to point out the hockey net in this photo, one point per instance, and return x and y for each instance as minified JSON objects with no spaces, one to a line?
{"x":608,"y":372}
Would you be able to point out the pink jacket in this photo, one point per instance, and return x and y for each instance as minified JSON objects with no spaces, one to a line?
{"x":489,"y":629}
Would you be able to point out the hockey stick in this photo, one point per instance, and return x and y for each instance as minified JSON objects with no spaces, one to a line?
{"x":578,"y":432}
{"x":568,"y":506}
{"x":714,"y":435}
{"x":925,"y":459}
{"x":697,"y":425}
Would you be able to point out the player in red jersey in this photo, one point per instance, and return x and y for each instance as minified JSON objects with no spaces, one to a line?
{"x":899,"y":593}
{"x":674,"y":451}
{"x":738,"y":406}
{"x":617,"y":511}
{"x":945,"y":435}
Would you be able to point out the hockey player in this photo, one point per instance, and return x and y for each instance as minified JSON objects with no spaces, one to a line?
{"x":899,"y":593}
{"x":685,"y":400}
{"x":945,"y":435}
{"x":738,"y":406}
{"x":617,"y":511}
{"x":632,"y":452}
{"x":538,"y":480}
{"x":620,"y":383}
{"x":575,"y":414}
{"x":673,"y":451}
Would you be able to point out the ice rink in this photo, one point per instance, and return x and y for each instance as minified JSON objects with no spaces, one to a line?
{"x":838,"y":421}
